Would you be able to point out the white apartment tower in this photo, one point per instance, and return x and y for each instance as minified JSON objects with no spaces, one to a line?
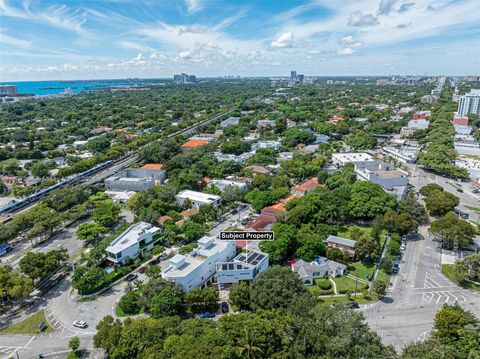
{"x":469,"y":103}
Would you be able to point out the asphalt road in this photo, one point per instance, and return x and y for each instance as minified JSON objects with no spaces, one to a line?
{"x":415,"y":294}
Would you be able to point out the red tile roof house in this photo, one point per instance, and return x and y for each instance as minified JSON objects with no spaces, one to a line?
{"x":344,"y":244}
{"x":304,"y":188}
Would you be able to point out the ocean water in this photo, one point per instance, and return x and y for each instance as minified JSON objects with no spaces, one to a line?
{"x":78,"y":86}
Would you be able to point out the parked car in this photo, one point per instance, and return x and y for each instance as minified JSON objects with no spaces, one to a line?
{"x":155,"y":262}
{"x":131,"y":277}
{"x":225,"y":308}
{"x":207,"y":315}
{"x":244,"y":221}
{"x":187,"y":315}
{"x":460,"y":190}
{"x":80,"y":324}
{"x":352,"y":305}
{"x":395,"y":268}
{"x":163,"y":256}
{"x":143,"y":269}
{"x":476,"y":190}
{"x":403,"y":247}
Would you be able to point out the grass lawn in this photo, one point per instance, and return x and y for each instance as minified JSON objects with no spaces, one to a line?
{"x":345,"y":284}
{"x":28,"y":325}
{"x":119,"y":312}
{"x":447,"y":270}
{"x":364,"y":271}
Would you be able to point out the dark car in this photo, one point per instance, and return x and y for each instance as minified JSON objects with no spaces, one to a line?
{"x":143,"y":269}
{"x":352,"y":305}
{"x":460,"y":190}
{"x":187,"y":315}
{"x":244,"y":221}
{"x":476,"y":190}
{"x":155,"y":261}
{"x":225,"y":308}
{"x":395,"y":268}
{"x":131,"y":277}
{"x":207,"y":315}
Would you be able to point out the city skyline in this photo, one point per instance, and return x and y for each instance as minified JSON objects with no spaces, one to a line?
{"x":59,"y":40}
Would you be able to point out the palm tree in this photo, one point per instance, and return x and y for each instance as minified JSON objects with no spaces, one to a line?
{"x":250,"y":347}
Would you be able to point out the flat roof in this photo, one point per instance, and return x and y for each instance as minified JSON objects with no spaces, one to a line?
{"x":130,"y":236}
{"x":388,"y":174}
{"x":198,"y":196}
{"x":353,"y":156}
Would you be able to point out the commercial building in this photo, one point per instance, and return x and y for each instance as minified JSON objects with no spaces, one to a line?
{"x":357,"y":158}
{"x":405,"y":152}
{"x":429,"y":99}
{"x":135,"y":179}
{"x":466,"y":145}
{"x":136,"y":239}
{"x":197,"y":198}
{"x":320,"y":268}
{"x":8,"y":90}
{"x":245,"y":266}
{"x":469,"y":103}
{"x":344,"y":244}
{"x":461,"y":126}
{"x":392,"y":181}
{"x":230,"y":121}
{"x":197,"y":268}
{"x":295,"y":79}
{"x":184,"y":79}
{"x":418,"y":124}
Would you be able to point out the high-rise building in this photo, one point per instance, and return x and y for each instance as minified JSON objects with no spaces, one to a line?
{"x":8,"y":90}
{"x":183,"y":79}
{"x":295,"y":79}
{"x":469,"y":103}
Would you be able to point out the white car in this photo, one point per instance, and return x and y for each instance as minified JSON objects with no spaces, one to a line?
{"x":80,"y":324}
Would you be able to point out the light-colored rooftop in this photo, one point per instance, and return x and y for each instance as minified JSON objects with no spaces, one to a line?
{"x":198,"y":196}
{"x":353,"y":156}
{"x":130,"y":236}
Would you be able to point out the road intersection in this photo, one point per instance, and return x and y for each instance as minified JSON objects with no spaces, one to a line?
{"x":416,"y":293}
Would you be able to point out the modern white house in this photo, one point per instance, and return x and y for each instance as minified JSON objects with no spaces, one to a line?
{"x":135,"y":239}
{"x":197,"y":268}
{"x":222,"y":184}
{"x":320,"y":268}
{"x":242,"y":267}
{"x":197,"y":198}
{"x":267,"y":144}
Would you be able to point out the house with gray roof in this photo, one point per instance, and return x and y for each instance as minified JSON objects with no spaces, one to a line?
{"x":344,"y":244}
{"x":320,"y":268}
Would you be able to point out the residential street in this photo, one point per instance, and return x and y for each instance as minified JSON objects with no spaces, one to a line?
{"x":417,"y":292}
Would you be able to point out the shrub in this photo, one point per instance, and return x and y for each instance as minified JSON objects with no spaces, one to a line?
{"x":324,"y":284}
{"x":129,"y":303}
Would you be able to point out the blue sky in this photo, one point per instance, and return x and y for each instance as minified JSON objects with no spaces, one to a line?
{"x":83,"y":39}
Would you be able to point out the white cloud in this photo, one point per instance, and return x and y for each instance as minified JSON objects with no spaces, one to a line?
{"x":386,"y":7}
{"x":5,"y":39}
{"x":345,"y":51}
{"x":350,"y":41}
{"x":284,"y":41}
{"x":359,"y":19}
{"x":193,"y":6}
